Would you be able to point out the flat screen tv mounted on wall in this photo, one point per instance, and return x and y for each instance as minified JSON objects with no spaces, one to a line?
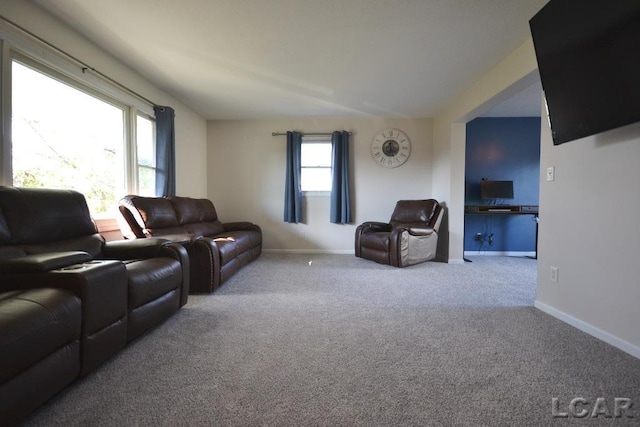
{"x":496,"y":189}
{"x":588,"y":54}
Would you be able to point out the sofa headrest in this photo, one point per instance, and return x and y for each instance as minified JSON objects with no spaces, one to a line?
{"x":155,"y":212}
{"x":186,"y":209}
{"x":41,"y":215}
{"x":413,"y":211}
{"x":5,"y":234}
{"x":207,"y":210}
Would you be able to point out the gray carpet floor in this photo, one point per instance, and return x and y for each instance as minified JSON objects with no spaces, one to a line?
{"x":333,"y":340}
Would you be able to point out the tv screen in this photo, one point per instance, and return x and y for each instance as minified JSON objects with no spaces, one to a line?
{"x":588,"y":54}
{"x":496,"y":189}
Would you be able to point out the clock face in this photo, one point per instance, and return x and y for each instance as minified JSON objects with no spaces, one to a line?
{"x":390,"y":148}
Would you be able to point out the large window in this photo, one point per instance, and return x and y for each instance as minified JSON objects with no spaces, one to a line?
{"x":65,"y":135}
{"x":315,"y":166}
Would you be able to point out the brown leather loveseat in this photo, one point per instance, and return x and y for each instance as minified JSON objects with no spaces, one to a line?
{"x":216,"y":250}
{"x":48,"y":239}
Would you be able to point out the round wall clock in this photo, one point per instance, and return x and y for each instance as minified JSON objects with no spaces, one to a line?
{"x":390,"y":148}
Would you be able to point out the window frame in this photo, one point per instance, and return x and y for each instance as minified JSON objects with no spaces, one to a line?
{"x":38,"y":55}
{"x":136,"y":166}
{"x":316,"y":140}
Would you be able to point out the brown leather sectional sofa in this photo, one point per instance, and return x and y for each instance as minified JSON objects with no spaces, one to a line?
{"x":48,"y":240}
{"x":216,"y":250}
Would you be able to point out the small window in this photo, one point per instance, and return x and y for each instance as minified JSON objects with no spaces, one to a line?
{"x":315,"y":167}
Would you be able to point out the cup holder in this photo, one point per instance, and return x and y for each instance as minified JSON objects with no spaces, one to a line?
{"x":82,"y":266}
{"x":74,"y":267}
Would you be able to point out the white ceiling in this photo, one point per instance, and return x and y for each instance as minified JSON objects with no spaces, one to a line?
{"x":249,"y":59}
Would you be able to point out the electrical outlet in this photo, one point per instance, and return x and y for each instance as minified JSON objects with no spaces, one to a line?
{"x":551,"y":173}
{"x":553,"y":274}
{"x":479,"y":237}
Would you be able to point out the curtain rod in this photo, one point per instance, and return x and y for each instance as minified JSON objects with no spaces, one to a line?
{"x":306,"y":134}
{"x":84,"y":66}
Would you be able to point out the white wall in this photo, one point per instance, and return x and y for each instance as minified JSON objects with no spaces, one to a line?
{"x":191,"y":166}
{"x":247,"y":174}
{"x":589,"y":229}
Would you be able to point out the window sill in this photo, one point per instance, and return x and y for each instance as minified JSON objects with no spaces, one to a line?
{"x":316,"y":193}
{"x":107,"y":224}
{"x":108,"y":228}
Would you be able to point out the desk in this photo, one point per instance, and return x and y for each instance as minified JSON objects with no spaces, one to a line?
{"x":505,"y":210}
{"x":501,"y":210}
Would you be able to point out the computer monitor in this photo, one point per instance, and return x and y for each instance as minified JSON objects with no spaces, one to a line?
{"x":496,"y":189}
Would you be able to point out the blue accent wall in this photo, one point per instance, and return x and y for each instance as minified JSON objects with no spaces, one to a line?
{"x":502,"y":149}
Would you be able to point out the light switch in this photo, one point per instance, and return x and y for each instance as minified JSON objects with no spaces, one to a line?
{"x":551,"y":173}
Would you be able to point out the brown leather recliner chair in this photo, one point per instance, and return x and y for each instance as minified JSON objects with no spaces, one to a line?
{"x":48,"y":239}
{"x":410,"y":237}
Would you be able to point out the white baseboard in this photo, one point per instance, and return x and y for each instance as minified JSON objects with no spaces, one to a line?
{"x":339,"y":252}
{"x":351,"y":252}
{"x":605,"y":336}
{"x":311,"y":251}
{"x":500,"y":253}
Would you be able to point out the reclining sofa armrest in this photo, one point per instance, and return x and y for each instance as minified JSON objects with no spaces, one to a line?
{"x":368,"y":227}
{"x":178,"y":252}
{"x":205,"y":263}
{"x":39,"y":263}
{"x":185,"y":239}
{"x":397,"y":233}
{"x":374,"y":226}
{"x":419,"y":231}
{"x":411,"y":245}
{"x":133,"y":249}
{"x":151,"y":247}
{"x":240,"y":226}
